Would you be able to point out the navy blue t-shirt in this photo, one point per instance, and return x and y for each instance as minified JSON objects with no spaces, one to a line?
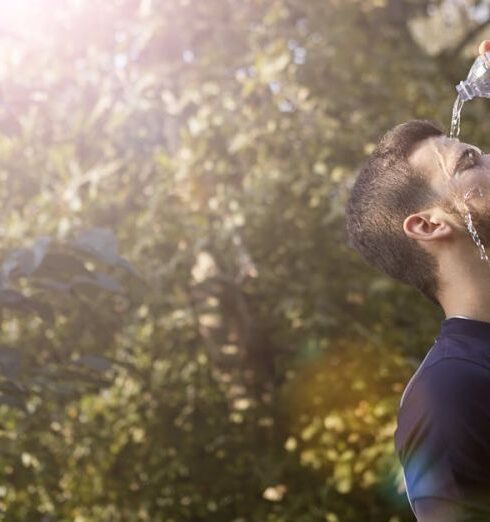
{"x":443,"y":432}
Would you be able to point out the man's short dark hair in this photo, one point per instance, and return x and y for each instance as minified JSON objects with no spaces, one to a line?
{"x":386,"y":191}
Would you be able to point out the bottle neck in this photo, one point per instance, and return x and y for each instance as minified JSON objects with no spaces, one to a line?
{"x":465,"y":91}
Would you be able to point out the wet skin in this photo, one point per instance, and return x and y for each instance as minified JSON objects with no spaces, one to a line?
{"x":457,"y":171}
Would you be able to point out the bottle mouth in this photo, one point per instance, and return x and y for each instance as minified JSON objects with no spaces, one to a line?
{"x":465,"y":91}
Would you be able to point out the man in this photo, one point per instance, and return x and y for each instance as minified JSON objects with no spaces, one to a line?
{"x":420,"y":212}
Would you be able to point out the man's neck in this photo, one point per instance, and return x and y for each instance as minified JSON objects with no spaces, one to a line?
{"x":466,"y":289}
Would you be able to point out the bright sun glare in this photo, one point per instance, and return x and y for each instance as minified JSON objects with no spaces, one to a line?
{"x":16,"y":12}
{"x":25,"y":18}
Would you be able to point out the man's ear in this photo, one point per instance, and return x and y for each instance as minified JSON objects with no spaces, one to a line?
{"x":427,"y":226}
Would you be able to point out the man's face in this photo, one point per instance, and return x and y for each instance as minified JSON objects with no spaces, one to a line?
{"x":460,"y":174}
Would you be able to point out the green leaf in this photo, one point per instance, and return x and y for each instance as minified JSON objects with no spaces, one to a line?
{"x":95,"y":362}
{"x":9,"y":361}
{"x":100,"y":242}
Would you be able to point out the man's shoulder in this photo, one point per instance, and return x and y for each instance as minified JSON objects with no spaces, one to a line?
{"x":454,"y":377}
{"x":445,"y":386}
{"x":448,"y":372}
{"x":450,"y":361}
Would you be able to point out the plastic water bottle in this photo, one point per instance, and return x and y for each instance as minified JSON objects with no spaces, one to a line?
{"x":478,"y":81}
{"x":476,"y":84}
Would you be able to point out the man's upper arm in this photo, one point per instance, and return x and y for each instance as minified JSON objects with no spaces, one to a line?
{"x":433,"y":509}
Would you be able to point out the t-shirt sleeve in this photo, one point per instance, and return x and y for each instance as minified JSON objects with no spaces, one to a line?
{"x":443,"y":435}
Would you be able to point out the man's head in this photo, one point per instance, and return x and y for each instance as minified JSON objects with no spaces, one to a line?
{"x":409,"y":201}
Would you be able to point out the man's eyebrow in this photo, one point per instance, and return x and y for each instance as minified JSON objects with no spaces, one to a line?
{"x":462,"y":156}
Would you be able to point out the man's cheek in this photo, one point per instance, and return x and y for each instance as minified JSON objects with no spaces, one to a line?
{"x":475,"y":199}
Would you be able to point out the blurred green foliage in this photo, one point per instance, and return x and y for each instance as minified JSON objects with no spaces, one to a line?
{"x":227,"y":357}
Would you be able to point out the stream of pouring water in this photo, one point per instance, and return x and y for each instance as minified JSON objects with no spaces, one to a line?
{"x":474,"y":235}
{"x":456,"y":117}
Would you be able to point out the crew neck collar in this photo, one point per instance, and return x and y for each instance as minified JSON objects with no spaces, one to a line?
{"x":466,"y":326}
